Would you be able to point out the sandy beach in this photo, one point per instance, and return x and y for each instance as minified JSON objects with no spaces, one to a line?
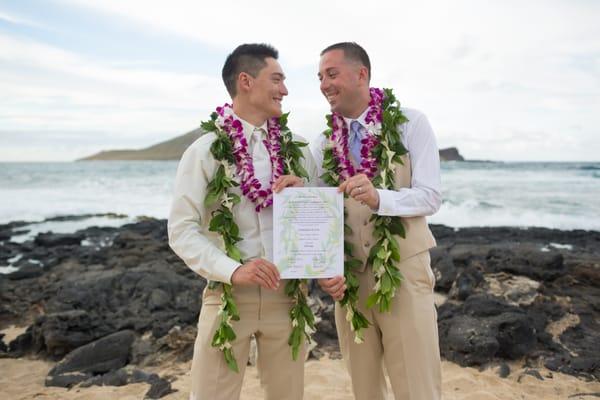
{"x":325,"y":379}
{"x":533,"y":294}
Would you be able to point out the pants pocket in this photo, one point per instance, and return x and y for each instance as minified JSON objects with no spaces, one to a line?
{"x":425,"y":261}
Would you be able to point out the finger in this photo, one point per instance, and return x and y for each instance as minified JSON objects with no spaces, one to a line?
{"x":352,"y":184}
{"x":267,"y":277}
{"x":280,"y":184}
{"x":292,"y":181}
{"x":322,"y":282}
{"x":286,"y":181}
{"x":255,"y":275}
{"x":298,"y":182}
{"x":333,"y":282}
{"x":271,"y":272}
{"x":260,"y":279}
{"x":342,"y":187}
{"x":362,"y":196}
{"x":339,"y":287}
{"x":357,"y":191}
{"x":276,"y":184}
{"x":336,"y":290}
{"x":272,"y":267}
{"x":370,"y":198}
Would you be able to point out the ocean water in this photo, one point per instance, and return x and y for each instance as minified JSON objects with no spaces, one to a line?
{"x":554,"y":195}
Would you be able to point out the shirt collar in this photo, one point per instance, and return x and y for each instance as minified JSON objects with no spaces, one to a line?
{"x":361,"y":118}
{"x":249,"y":128}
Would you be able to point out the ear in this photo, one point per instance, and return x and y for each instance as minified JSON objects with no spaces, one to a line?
{"x":244,"y":82}
{"x":363,"y":74}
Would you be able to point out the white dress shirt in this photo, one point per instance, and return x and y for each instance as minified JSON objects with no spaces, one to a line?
{"x":423,"y":198}
{"x":189,"y":219}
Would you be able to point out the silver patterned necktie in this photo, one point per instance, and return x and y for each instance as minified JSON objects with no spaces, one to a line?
{"x":260,"y":157}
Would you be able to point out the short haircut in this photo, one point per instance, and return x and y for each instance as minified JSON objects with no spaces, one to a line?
{"x":352,"y":52}
{"x":248,"y":58}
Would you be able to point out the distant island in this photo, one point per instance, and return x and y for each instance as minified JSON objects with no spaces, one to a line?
{"x":173,"y":149}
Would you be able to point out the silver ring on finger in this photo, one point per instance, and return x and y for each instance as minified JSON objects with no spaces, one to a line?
{"x":359,"y":189}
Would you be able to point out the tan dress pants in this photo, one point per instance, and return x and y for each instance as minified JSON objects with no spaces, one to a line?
{"x":404,"y":340}
{"x":264,"y":314}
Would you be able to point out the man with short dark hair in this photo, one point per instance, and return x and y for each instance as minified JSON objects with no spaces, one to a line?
{"x":221,"y":225}
{"x":386,"y":160}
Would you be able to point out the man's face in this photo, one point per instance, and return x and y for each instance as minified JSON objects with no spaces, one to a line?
{"x":340,"y":82}
{"x":268,"y":89}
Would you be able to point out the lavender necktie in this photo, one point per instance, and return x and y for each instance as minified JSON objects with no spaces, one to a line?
{"x":355,"y":138}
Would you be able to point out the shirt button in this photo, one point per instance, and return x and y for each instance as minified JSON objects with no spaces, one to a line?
{"x":366,"y":223}
{"x":367,"y":244}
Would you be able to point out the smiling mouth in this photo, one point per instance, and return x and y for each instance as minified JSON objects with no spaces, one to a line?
{"x":330,"y":97}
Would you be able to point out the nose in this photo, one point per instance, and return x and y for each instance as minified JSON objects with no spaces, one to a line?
{"x":283,"y":90}
{"x":324,"y":84}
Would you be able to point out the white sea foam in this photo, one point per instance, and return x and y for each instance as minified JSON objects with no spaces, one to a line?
{"x":553,"y":195}
{"x":8,"y":269}
{"x":32,"y":230}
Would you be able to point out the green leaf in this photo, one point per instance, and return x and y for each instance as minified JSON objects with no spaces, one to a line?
{"x":299,"y":170}
{"x":373,"y":252}
{"x":235,"y":254}
{"x":208,"y":126}
{"x":233,"y":310}
{"x":351,"y":281}
{"x":384,"y":305}
{"x":307,"y":312}
{"x":393,"y":246}
{"x":396,"y":227}
{"x":329,"y":119}
{"x":230,"y":359}
{"x":300,"y":144}
{"x":229,"y":333}
{"x":290,"y":287}
{"x":211,"y":198}
{"x":216,"y":222}
{"x":360,"y":320}
{"x":372,"y":300}
{"x":386,"y":283}
{"x":283,"y":119}
{"x":381,"y":254}
{"x":352,"y":263}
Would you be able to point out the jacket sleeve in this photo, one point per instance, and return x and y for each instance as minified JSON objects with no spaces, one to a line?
{"x":188,"y":222}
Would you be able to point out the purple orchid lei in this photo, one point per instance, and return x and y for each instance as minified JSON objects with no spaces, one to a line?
{"x":339,"y":137}
{"x":250,"y":185}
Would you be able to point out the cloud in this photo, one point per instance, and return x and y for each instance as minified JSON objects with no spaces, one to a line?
{"x":47,"y":87}
{"x":16,"y":20}
{"x":483,"y":72}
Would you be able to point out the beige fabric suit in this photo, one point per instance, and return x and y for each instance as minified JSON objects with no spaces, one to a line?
{"x":264,"y":313}
{"x":404,"y":340}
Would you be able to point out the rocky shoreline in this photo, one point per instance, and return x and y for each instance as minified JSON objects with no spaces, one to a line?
{"x":107,"y":303}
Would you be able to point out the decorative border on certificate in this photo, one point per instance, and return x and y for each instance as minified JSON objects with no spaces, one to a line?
{"x":308,"y":232}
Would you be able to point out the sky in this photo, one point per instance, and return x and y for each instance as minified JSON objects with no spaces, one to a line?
{"x":500,"y":80}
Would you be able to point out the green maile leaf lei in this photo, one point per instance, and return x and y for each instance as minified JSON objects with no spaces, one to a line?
{"x":223,"y":222}
{"x":382,"y":149}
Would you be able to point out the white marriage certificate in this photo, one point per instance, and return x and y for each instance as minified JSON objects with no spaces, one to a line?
{"x":308,"y":232}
